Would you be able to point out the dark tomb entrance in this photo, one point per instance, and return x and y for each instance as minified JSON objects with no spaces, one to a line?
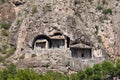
{"x":84,"y":53}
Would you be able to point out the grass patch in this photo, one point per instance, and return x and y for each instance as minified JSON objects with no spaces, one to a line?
{"x":107,"y":11}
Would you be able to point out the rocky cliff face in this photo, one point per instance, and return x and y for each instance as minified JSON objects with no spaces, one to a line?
{"x":91,"y":22}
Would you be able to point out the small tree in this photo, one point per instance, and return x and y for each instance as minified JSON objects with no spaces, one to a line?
{"x":89,"y":71}
{"x":97,"y":69}
{"x":80,"y":75}
{"x":108,"y":69}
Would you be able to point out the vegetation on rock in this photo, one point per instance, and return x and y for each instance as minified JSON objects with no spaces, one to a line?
{"x":107,"y":11}
{"x":5,"y":26}
{"x":99,"y":72}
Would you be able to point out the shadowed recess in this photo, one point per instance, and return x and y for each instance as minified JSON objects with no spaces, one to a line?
{"x":39,"y":37}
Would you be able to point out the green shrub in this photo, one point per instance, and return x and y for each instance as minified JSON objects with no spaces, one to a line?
{"x":107,"y":11}
{"x":99,"y":8}
{"x":50,"y":75}
{"x":80,"y":75}
{"x":108,"y":68}
{"x":27,"y":74}
{"x":33,"y":55}
{"x":72,"y":77}
{"x":89,"y":71}
{"x":11,"y":73}
{"x":97,"y":69}
{"x":5,"y":25}
{"x":11,"y":68}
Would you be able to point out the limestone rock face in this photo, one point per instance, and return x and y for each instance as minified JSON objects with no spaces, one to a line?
{"x":91,"y":22}
{"x":7,"y":13}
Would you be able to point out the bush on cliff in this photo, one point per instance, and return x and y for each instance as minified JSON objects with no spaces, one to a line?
{"x":98,"y":72}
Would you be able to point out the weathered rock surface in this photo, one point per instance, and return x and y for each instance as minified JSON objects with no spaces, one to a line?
{"x":7,"y":13}
{"x":91,"y":22}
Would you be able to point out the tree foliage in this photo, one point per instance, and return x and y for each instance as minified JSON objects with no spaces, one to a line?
{"x":101,"y":71}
